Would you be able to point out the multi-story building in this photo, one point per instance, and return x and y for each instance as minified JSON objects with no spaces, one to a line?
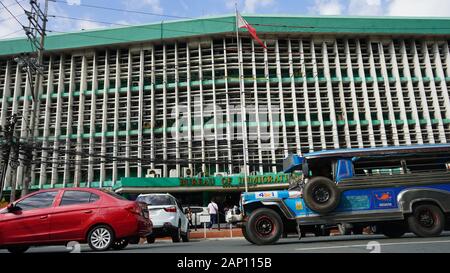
{"x":171,"y":95}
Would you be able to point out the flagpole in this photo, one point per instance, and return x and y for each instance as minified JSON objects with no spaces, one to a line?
{"x":243,"y":112}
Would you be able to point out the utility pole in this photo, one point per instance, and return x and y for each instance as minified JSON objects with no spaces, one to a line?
{"x":36,"y":32}
{"x":8,"y":134}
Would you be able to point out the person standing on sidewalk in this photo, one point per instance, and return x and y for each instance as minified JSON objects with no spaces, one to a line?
{"x":213,"y":210}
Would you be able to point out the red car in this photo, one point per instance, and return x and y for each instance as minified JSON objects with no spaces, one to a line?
{"x":101,"y":218}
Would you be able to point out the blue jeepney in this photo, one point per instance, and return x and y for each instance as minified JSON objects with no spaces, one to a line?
{"x":393,"y":189}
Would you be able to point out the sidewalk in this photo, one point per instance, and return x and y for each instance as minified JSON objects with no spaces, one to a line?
{"x":224,"y":232}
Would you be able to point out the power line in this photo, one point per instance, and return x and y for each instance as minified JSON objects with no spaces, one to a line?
{"x":13,"y":4}
{"x":140,"y":12}
{"x":13,"y":16}
{"x":155,"y":27}
{"x":4,"y":36}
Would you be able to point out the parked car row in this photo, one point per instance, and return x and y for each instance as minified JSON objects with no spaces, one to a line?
{"x":102,"y":219}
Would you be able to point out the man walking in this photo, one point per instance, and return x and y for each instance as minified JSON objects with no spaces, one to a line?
{"x":213,"y":210}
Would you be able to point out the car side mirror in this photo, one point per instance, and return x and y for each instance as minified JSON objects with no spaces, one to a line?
{"x":12,"y":208}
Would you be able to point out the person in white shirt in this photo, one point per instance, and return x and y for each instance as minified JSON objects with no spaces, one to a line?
{"x":213,"y":210}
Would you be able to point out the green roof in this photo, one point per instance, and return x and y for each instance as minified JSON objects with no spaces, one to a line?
{"x":226,"y":24}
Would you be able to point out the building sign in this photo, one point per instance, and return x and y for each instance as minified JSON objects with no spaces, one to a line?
{"x":228,"y":182}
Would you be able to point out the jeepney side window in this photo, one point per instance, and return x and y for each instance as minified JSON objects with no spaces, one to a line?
{"x":378,"y":167}
{"x":428,"y":164}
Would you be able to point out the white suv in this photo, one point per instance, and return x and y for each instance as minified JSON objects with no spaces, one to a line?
{"x":167,"y":217}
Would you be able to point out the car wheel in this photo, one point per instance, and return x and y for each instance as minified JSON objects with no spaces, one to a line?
{"x":245,"y":234}
{"x":100,"y":238}
{"x":185,"y":237}
{"x":151,"y":239}
{"x":120,"y":244}
{"x":18,"y":249}
{"x":265,"y":227}
{"x":393,"y":230}
{"x":321,"y":195}
{"x":426,"y":221}
{"x":176,"y":236}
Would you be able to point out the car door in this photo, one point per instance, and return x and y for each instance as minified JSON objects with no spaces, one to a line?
{"x":73,"y":214}
{"x":30,"y":223}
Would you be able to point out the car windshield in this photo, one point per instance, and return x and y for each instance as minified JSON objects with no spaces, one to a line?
{"x":156,"y":200}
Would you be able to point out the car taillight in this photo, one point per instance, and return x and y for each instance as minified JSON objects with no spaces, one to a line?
{"x":171,"y":209}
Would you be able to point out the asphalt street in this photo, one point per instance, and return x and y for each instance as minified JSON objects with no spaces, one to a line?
{"x":333,"y":244}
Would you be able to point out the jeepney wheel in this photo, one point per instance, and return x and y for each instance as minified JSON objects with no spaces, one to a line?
{"x":426,"y":221}
{"x":245,"y":234}
{"x":321,"y":195}
{"x":264,"y":227}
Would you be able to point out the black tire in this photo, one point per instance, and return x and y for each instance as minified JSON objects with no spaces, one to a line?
{"x":426,"y":221}
{"x":245,"y":234}
{"x":185,"y":237}
{"x":101,"y":231}
{"x":134,"y":240}
{"x":176,"y":235}
{"x":344,"y":229}
{"x":321,"y":195}
{"x":120,"y":244}
{"x":264,"y":227}
{"x":18,"y":249}
{"x":151,"y":239}
{"x":393,"y":230}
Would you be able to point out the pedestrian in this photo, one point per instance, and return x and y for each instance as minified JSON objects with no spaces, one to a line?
{"x":189,"y":216}
{"x":213,"y":209}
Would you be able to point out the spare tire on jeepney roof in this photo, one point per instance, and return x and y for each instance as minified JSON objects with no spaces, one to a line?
{"x":321,"y":194}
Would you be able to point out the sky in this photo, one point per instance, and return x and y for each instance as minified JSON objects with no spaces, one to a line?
{"x":76,"y":15}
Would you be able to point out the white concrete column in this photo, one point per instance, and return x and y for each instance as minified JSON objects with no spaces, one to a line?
{"x":69,"y":122}
{"x":342,"y":98}
{"x":45,"y":143}
{"x":128,"y":111}
{"x":116,"y":118}
{"x":80,"y":130}
{"x":269,"y":103}
{"x":387,"y":89}
{"x":443,"y":83}
{"x":423,"y":97}
{"x":228,"y":109}
{"x":306,"y":97}
{"x":165,"y":172}
{"x":358,"y":116}
{"x":257,"y":120}
{"x":202,"y":123}
{"x":399,"y":91}
{"x":411,"y":95}
{"x":318,"y":97}
{"x":281,"y":96}
{"x":177,"y":110}
{"x":104,"y":117}
{"x":373,"y":74}
{"x":59,"y":110}
{"x":93,"y":120}
{"x":153,"y":111}
{"x":216,"y":127}
{"x":434,"y":96}
{"x":189,"y":106}
{"x":141,"y":111}
{"x":6,"y":94}
{"x":326,"y":65}
{"x":294,"y":97}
